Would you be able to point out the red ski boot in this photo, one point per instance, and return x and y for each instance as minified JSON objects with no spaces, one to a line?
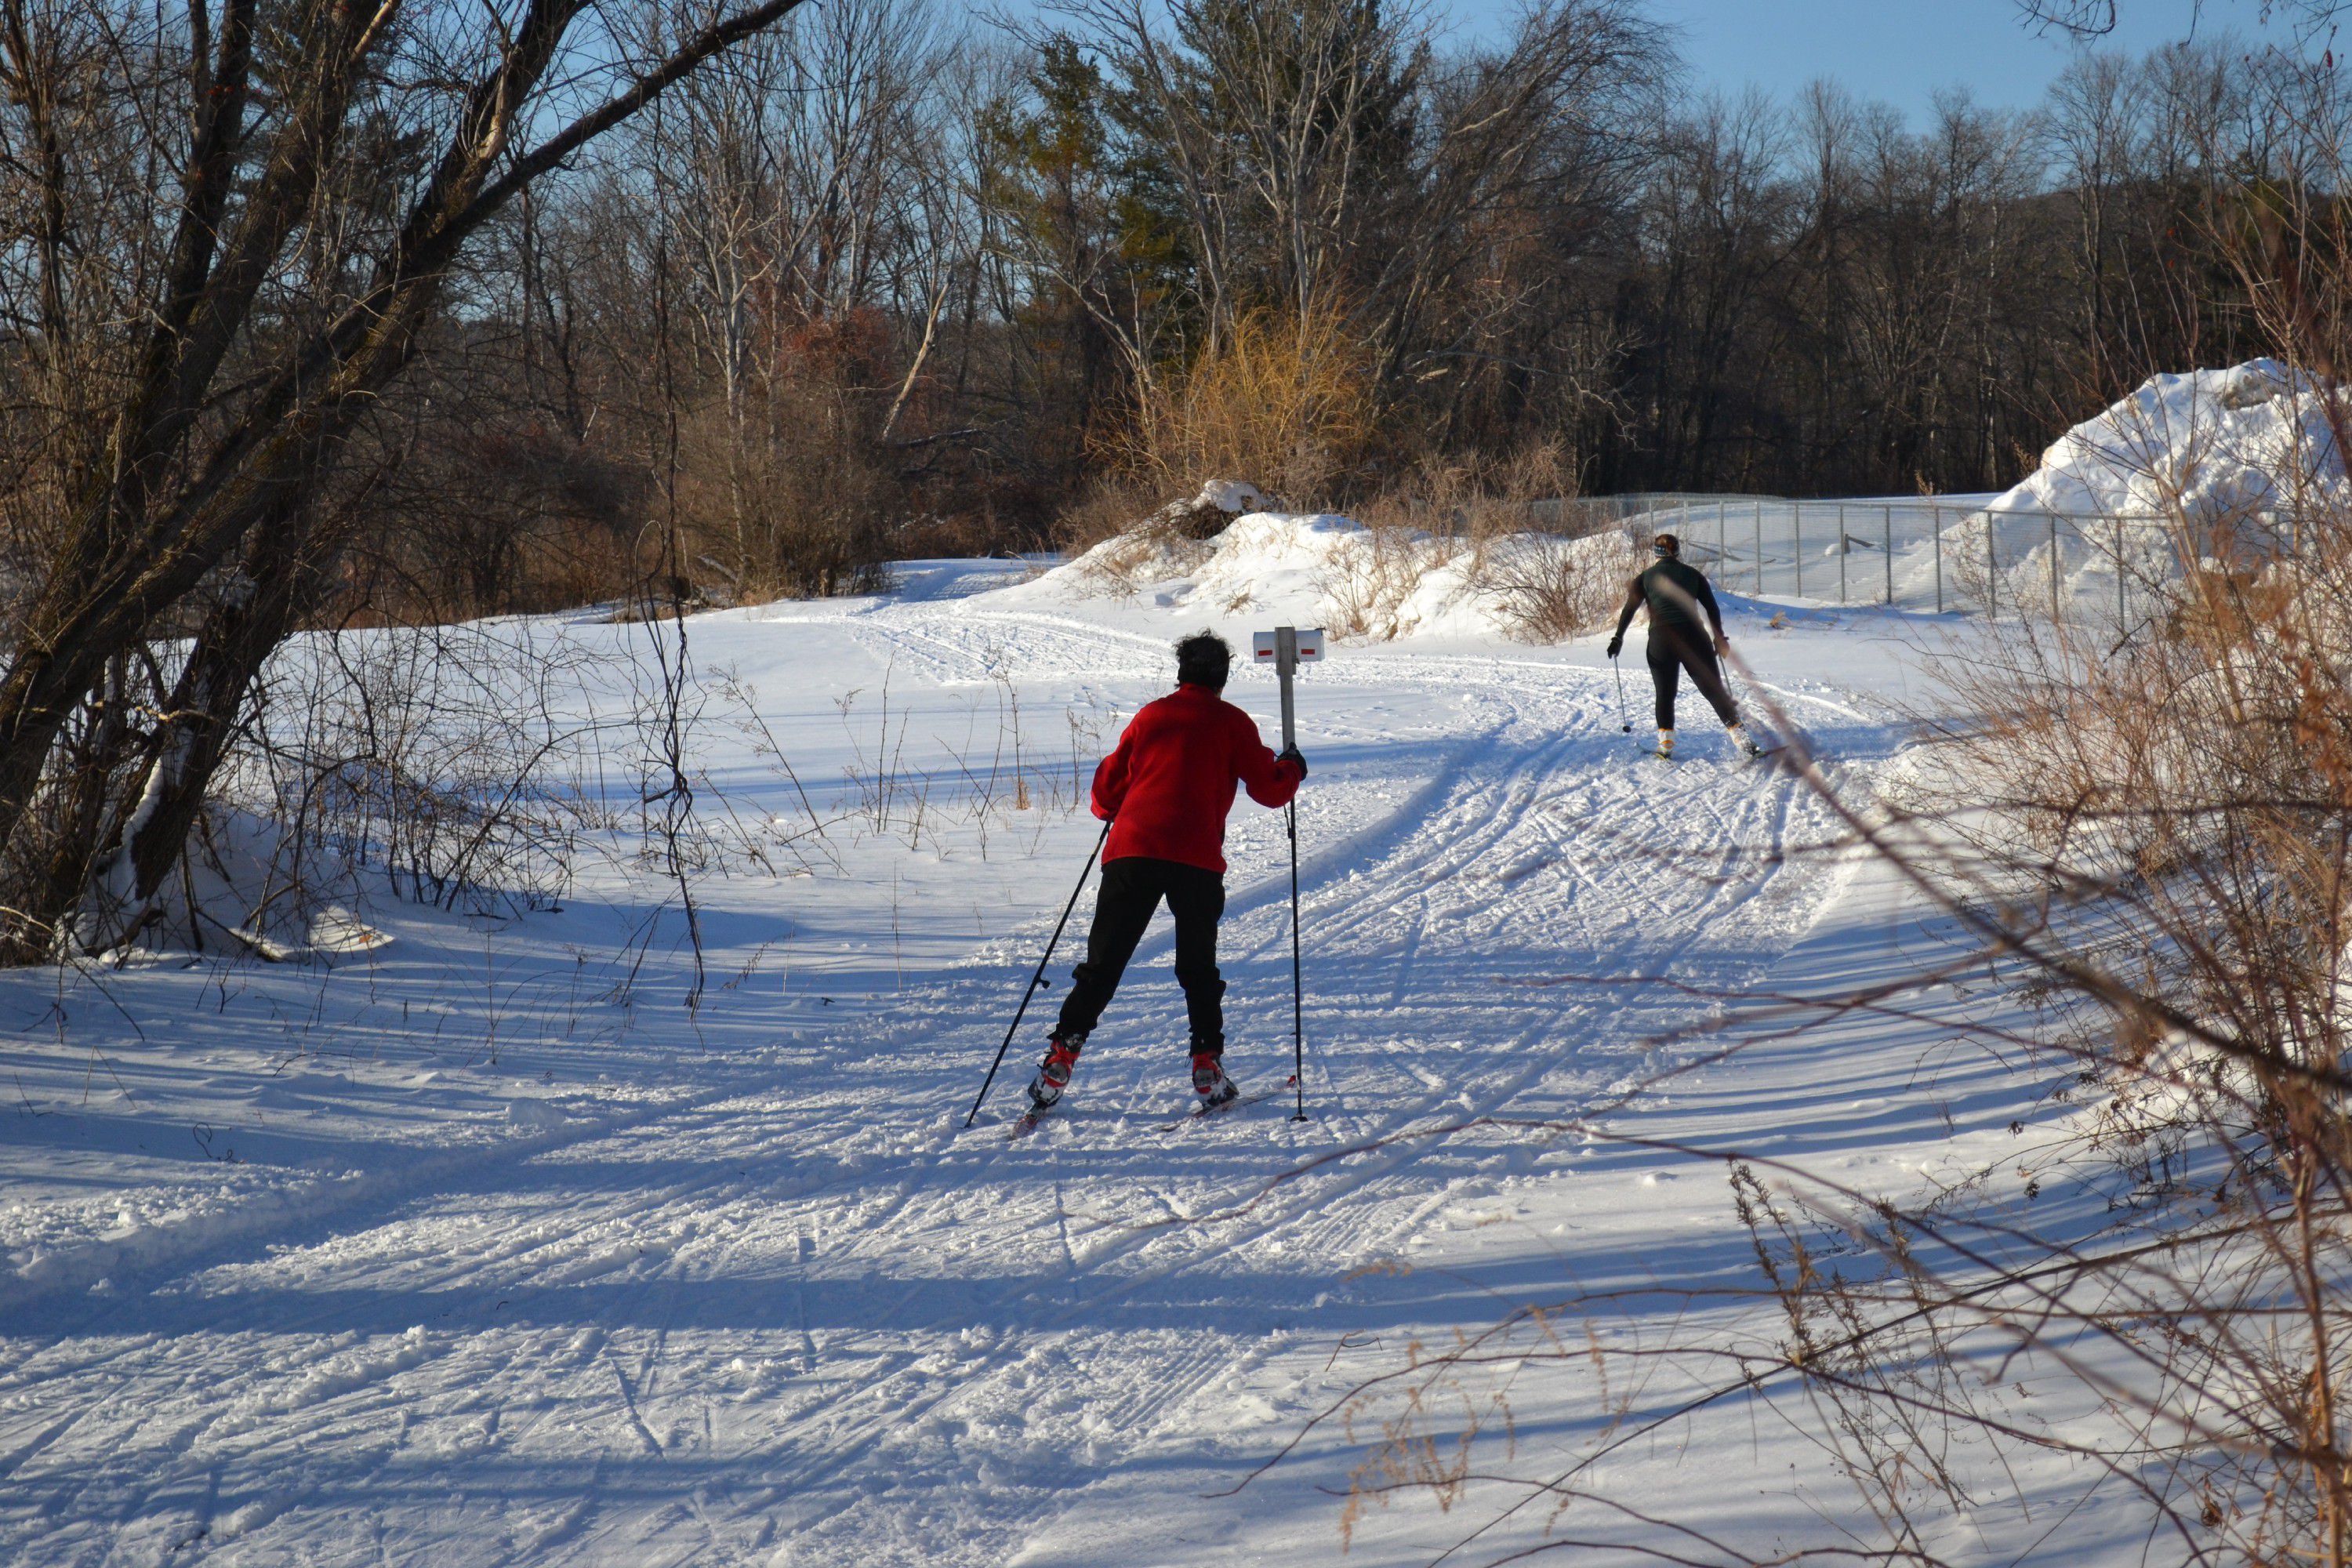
{"x":1053,"y":1072}
{"x":1210,"y":1082}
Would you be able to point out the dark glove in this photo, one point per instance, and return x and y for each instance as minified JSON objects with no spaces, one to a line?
{"x":1290,"y":754}
{"x":1616,"y":645}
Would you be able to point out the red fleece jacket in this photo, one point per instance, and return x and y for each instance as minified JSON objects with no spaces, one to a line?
{"x":1167,"y":788}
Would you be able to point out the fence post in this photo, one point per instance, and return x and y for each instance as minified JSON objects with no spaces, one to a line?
{"x":1797,"y":514}
{"x":2123,"y":616}
{"x":1841,"y":551}
{"x":2054,"y":568}
{"x":1992,"y":572}
{"x":1887,"y":518}
{"x":1759,"y":547}
{"x":1936,"y":527}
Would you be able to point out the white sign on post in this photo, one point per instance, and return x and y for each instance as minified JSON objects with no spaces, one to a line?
{"x":1266,"y":646}
{"x":1286,"y":648}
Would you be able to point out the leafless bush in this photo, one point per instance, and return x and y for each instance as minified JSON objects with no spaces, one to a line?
{"x":2152,"y":842}
{"x":1475,"y":497}
{"x":1488,"y":525}
{"x":1128,"y":547}
{"x":1550,"y":588}
{"x":788,"y":492}
{"x":2149,"y":843}
{"x":461,"y":765}
{"x":1113,"y":508}
{"x":1368,"y":588}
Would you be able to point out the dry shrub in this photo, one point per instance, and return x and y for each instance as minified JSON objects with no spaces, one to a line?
{"x":1495,"y":520}
{"x":2150,"y":841}
{"x":1283,"y":400}
{"x":1476,"y":496}
{"x":1367,"y":591}
{"x":1127,"y":563}
{"x":1110,"y":506}
{"x":2147,"y":847}
{"x":1122,"y":547}
{"x":498,"y":517}
{"x":1549,"y":588}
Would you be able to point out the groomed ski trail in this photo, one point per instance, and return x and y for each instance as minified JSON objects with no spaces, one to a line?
{"x":802,"y":1320}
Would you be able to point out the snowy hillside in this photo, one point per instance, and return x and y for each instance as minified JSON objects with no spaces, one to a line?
{"x":476,"y":1247}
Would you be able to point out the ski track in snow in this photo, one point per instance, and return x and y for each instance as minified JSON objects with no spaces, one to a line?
{"x":799,"y":1316}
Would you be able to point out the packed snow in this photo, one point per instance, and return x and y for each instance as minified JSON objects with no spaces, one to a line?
{"x":476,"y":1245}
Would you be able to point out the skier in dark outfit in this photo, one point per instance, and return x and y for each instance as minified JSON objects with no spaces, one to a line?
{"x":1676,"y":594}
{"x":1166,"y":791}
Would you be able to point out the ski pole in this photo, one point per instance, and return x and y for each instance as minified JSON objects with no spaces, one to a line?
{"x":1624,"y":718}
{"x":1038,"y":980}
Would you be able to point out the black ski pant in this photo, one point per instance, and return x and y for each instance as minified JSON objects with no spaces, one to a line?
{"x":1132,"y":888}
{"x":1672,"y":651}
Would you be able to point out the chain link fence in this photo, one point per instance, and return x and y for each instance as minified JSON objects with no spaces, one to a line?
{"x":1940,"y":555}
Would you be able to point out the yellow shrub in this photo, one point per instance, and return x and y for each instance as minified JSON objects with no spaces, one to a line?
{"x":1283,"y":401}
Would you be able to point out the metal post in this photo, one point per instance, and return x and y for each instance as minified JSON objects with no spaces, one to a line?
{"x":1759,"y":547}
{"x":1840,"y":552}
{"x":2054,"y":568}
{"x":1286,"y":665}
{"x":1887,"y":520}
{"x":1798,"y":523}
{"x":1935,"y":528}
{"x":1992,"y":572}
{"x":1722,"y":541}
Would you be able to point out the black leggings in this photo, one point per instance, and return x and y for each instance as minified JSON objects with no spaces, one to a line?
{"x":1671,"y":653}
{"x":1132,"y":888}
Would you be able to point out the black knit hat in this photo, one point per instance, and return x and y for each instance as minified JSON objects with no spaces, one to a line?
{"x":1204,"y":659}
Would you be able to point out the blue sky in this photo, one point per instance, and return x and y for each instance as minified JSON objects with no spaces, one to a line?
{"x":1902,"y":51}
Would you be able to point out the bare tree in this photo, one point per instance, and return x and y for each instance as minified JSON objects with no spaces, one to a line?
{"x":337,"y":159}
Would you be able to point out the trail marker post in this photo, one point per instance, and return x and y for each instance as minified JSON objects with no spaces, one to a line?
{"x":1286,"y":648}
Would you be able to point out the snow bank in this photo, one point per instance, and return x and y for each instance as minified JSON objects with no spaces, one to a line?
{"x":2213,"y":465}
{"x":2216,"y":449}
{"x":1323,"y":568}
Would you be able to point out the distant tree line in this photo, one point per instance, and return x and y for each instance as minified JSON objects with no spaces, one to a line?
{"x":878,"y":282}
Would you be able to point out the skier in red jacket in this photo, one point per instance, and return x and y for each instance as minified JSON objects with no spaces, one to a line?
{"x":1165,"y":792}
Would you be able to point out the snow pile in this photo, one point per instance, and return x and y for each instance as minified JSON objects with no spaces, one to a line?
{"x":2214,"y":448}
{"x":2210,"y":467}
{"x":1322,"y":568}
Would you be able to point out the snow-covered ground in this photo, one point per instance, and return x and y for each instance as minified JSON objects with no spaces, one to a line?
{"x":476,"y":1248}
